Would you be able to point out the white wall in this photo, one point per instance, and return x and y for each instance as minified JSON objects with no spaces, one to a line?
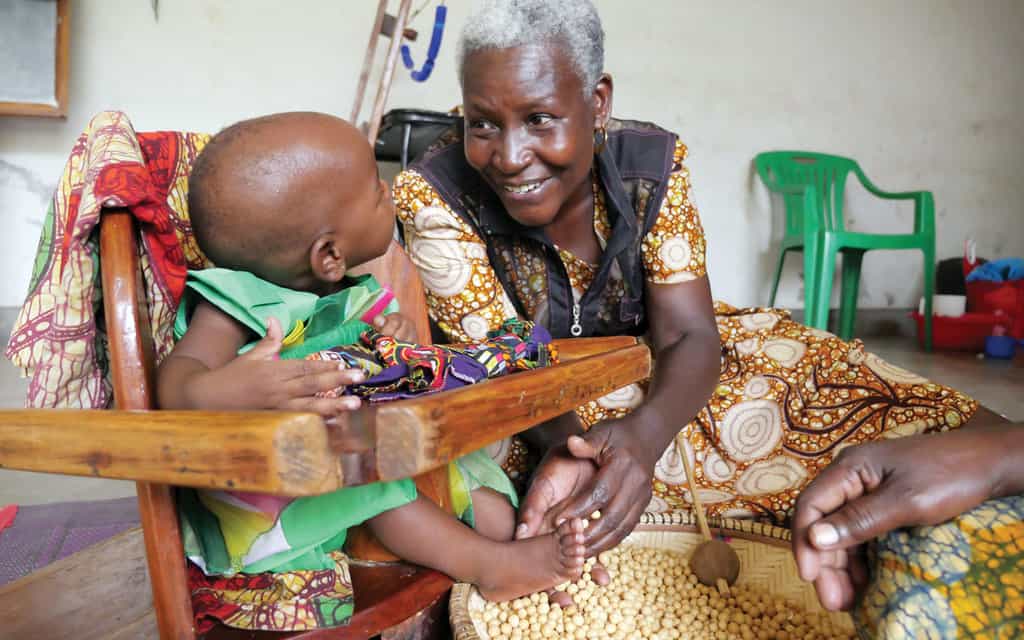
{"x":924,"y":93}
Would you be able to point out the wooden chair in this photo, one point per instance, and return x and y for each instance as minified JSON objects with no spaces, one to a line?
{"x":281,"y":453}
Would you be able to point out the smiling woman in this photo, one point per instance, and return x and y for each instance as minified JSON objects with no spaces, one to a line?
{"x":541,"y":205}
{"x":534,"y":148}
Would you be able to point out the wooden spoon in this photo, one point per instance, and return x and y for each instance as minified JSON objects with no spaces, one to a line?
{"x":713,"y":561}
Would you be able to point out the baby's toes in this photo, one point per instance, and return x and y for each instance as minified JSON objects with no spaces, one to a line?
{"x":571,"y":551}
{"x":572,"y":527}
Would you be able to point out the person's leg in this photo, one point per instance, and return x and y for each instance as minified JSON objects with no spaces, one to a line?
{"x":494,"y":516}
{"x":421,"y":533}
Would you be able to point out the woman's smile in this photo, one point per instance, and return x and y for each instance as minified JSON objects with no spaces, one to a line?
{"x":525,"y":191}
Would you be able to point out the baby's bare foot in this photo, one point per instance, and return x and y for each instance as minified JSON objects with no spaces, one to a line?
{"x":598,"y":574}
{"x":535,"y":564}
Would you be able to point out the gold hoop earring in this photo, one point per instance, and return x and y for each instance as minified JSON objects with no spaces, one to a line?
{"x":600,"y":139}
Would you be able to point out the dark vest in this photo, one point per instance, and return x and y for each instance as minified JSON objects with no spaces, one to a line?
{"x":633,"y":170}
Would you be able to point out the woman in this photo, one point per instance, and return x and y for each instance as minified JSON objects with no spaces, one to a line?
{"x":542,"y":206}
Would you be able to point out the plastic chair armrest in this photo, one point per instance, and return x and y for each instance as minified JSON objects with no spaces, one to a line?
{"x":888,"y":195}
{"x":924,"y":202}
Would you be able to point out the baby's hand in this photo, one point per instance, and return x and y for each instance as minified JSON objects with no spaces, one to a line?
{"x":395,"y":325}
{"x":259,"y":379}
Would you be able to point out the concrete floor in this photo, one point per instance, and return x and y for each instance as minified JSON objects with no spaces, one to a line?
{"x":996,"y":384}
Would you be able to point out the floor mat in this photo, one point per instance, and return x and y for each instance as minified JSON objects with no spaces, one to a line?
{"x":44,"y":533}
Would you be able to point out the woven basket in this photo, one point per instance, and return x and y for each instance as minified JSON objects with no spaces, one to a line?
{"x":766,"y":563}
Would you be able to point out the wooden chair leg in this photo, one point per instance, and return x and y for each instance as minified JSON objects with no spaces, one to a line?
{"x":99,"y":592}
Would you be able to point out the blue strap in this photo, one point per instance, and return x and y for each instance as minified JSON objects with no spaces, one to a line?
{"x":435,"y":45}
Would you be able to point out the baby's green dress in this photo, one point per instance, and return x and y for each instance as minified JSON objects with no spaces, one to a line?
{"x":227,"y":532}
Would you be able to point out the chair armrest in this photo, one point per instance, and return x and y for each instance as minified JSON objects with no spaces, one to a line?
{"x":888,"y":195}
{"x":266,"y":451}
{"x":414,"y":436}
{"x":924,"y":202}
{"x":298,"y":454}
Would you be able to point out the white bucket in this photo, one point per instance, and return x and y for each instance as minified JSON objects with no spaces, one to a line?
{"x":946,"y":305}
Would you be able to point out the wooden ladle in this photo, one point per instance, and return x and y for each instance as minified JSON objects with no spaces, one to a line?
{"x":714,"y":562}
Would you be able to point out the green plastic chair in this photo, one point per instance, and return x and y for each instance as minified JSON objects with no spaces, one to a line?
{"x":812,"y":187}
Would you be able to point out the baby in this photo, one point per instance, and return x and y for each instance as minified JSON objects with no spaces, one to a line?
{"x":285,"y":206}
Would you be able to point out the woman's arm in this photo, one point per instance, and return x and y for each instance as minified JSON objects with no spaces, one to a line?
{"x":683,"y":330}
{"x":687,"y":354}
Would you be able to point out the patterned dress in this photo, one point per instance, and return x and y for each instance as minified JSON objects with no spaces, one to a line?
{"x":789,"y":397}
{"x":960,"y":579}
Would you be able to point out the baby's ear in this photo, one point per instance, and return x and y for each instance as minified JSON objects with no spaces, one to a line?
{"x":328,"y":259}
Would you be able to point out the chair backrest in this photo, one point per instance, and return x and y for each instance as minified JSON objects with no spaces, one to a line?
{"x":132,"y":370}
{"x":783,"y":170}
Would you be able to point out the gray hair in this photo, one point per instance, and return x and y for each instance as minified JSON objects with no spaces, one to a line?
{"x":571,"y":24}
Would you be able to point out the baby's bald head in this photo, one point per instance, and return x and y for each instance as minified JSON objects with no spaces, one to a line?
{"x":264,"y":191}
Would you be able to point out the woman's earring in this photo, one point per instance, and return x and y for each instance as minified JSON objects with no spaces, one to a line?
{"x":600,"y":138}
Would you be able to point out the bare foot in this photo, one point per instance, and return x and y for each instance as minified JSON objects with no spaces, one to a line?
{"x":598,"y":574}
{"x":535,"y":564}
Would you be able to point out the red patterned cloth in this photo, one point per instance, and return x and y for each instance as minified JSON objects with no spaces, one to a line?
{"x":293,"y":601}
{"x":56,"y":339}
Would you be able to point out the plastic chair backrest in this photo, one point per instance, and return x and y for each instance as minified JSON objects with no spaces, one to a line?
{"x":781,"y":171}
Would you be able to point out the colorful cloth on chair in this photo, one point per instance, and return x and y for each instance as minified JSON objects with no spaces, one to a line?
{"x":397,"y":370}
{"x":962,"y":579}
{"x":294,"y":601}
{"x":56,"y":339}
{"x":264,"y":543}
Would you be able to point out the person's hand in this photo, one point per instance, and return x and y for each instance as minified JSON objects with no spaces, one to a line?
{"x":395,"y":325}
{"x":620,"y":489}
{"x":259,"y":379}
{"x":875,"y":488}
{"x":558,"y":477}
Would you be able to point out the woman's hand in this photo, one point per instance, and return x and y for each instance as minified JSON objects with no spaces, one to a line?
{"x":604,"y":470}
{"x":395,"y":325}
{"x":621,"y":490}
{"x":877,"y":487}
{"x":559,"y":477}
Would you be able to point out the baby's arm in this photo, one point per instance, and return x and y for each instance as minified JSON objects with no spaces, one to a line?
{"x":204,"y":372}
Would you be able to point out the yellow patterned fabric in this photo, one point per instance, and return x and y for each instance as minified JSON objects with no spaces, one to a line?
{"x":961,"y":579}
{"x":789,"y":397}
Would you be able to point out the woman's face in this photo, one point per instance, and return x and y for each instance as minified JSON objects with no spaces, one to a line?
{"x":529,"y":130}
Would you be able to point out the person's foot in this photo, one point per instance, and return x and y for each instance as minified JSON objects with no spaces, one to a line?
{"x":598,"y":574}
{"x":535,"y":564}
